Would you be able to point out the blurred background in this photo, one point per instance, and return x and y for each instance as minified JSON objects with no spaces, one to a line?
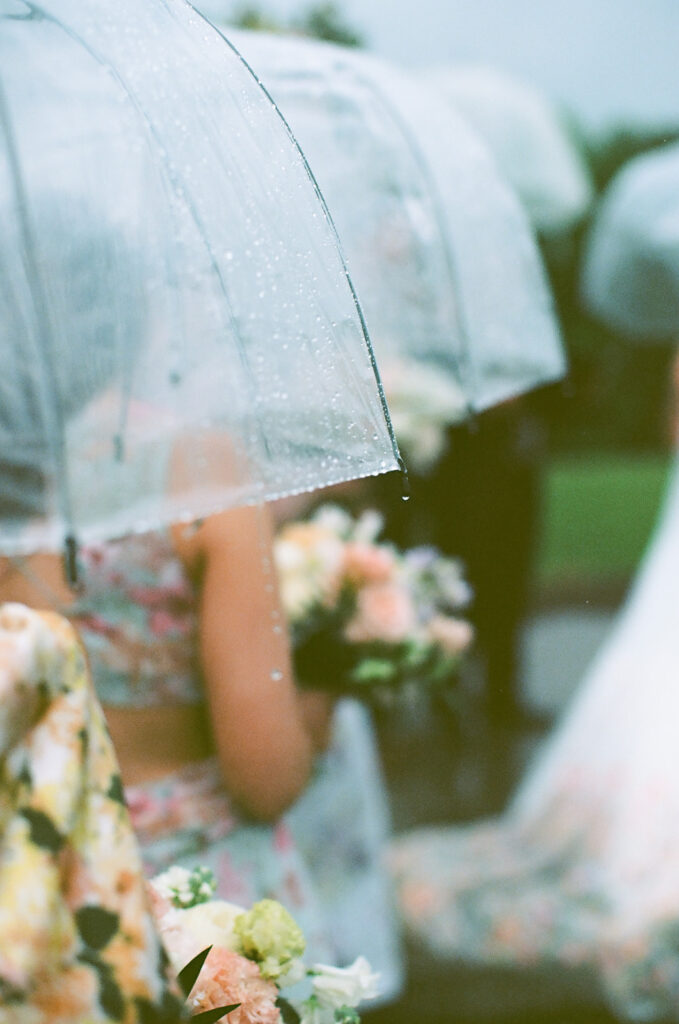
{"x":594,"y":451}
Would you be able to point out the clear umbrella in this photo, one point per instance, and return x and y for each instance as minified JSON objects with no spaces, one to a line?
{"x":528,"y":138}
{"x":631,"y":270}
{"x":443,"y":258}
{"x":177,"y":328}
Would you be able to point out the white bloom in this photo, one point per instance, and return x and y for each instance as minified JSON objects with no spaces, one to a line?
{"x":422,"y":441}
{"x":292,"y":974}
{"x":298,"y":593}
{"x":335,"y":519}
{"x":368,"y":527}
{"x":424,"y":402}
{"x":174,"y":884}
{"x":213,"y":923}
{"x":344,"y":986}
{"x":289,"y":557}
{"x":308,"y":560}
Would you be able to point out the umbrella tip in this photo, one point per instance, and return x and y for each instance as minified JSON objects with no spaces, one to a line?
{"x":405,"y":480}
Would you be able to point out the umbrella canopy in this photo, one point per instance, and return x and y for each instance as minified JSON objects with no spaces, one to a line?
{"x":528,"y":139}
{"x":443,"y":258}
{"x":177,"y":327}
{"x":631,"y":269}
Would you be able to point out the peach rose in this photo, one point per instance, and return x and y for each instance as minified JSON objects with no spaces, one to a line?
{"x":453,"y":635}
{"x":365,"y":563}
{"x":228,"y":978}
{"x":384,"y":612}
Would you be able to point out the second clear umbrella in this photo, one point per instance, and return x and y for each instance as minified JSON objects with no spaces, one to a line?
{"x":528,"y":138}
{"x":443,"y":257}
{"x":631,"y":270}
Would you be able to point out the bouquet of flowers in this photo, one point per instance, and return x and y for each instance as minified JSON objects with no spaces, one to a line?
{"x":424,"y":402}
{"x":366,"y":619}
{"x":237,"y":962}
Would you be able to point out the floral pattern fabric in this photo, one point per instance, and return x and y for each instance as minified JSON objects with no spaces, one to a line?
{"x":77,"y":940}
{"x":186,"y":819}
{"x":137,"y":618}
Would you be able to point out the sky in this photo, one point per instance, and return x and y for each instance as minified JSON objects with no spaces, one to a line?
{"x":613,"y":62}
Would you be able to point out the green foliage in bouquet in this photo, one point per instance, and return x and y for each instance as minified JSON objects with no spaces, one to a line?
{"x":250,"y":955}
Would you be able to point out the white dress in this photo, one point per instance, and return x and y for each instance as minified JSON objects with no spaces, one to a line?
{"x":583,"y":867}
{"x":341,"y":824}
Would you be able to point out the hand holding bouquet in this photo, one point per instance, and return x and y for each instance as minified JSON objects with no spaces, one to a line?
{"x":236,"y":962}
{"x":366,"y":619}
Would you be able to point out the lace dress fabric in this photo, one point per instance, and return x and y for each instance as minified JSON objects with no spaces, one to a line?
{"x":77,"y":941}
{"x":582,"y":867}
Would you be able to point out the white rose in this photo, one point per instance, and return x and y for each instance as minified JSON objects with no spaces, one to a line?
{"x":212,"y":923}
{"x":288,"y":557}
{"x":186,"y":933}
{"x":344,"y":986}
{"x":298,"y":594}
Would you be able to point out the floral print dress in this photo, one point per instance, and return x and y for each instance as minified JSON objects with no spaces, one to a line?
{"x":77,"y":940}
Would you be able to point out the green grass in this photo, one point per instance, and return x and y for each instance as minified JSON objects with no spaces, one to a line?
{"x":599,"y":514}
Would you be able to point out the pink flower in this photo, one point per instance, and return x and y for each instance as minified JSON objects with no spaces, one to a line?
{"x":147,"y":597}
{"x":367,"y":563}
{"x":384,"y":612}
{"x":453,"y":635}
{"x":161,"y":623}
{"x":228,"y":978}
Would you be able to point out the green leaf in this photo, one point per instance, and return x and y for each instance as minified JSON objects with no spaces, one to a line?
{"x":44,"y":832}
{"x":288,"y":1011}
{"x":210,"y":1016}
{"x":373,"y":670}
{"x":170,"y":1010}
{"x":188,"y":975}
{"x":115,"y":790}
{"x":96,"y":925}
{"x":347,"y":1015}
{"x":111,"y":998}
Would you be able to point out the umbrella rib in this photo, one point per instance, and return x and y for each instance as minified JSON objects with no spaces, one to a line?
{"x":328,"y":216}
{"x":440,"y":218}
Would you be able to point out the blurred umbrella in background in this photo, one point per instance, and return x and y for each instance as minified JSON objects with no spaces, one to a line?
{"x":631,"y":267}
{"x":443,"y":257}
{"x":179,"y":333}
{"x":529,"y":140}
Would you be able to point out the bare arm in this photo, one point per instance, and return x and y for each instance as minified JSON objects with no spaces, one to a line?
{"x":266,"y":731}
